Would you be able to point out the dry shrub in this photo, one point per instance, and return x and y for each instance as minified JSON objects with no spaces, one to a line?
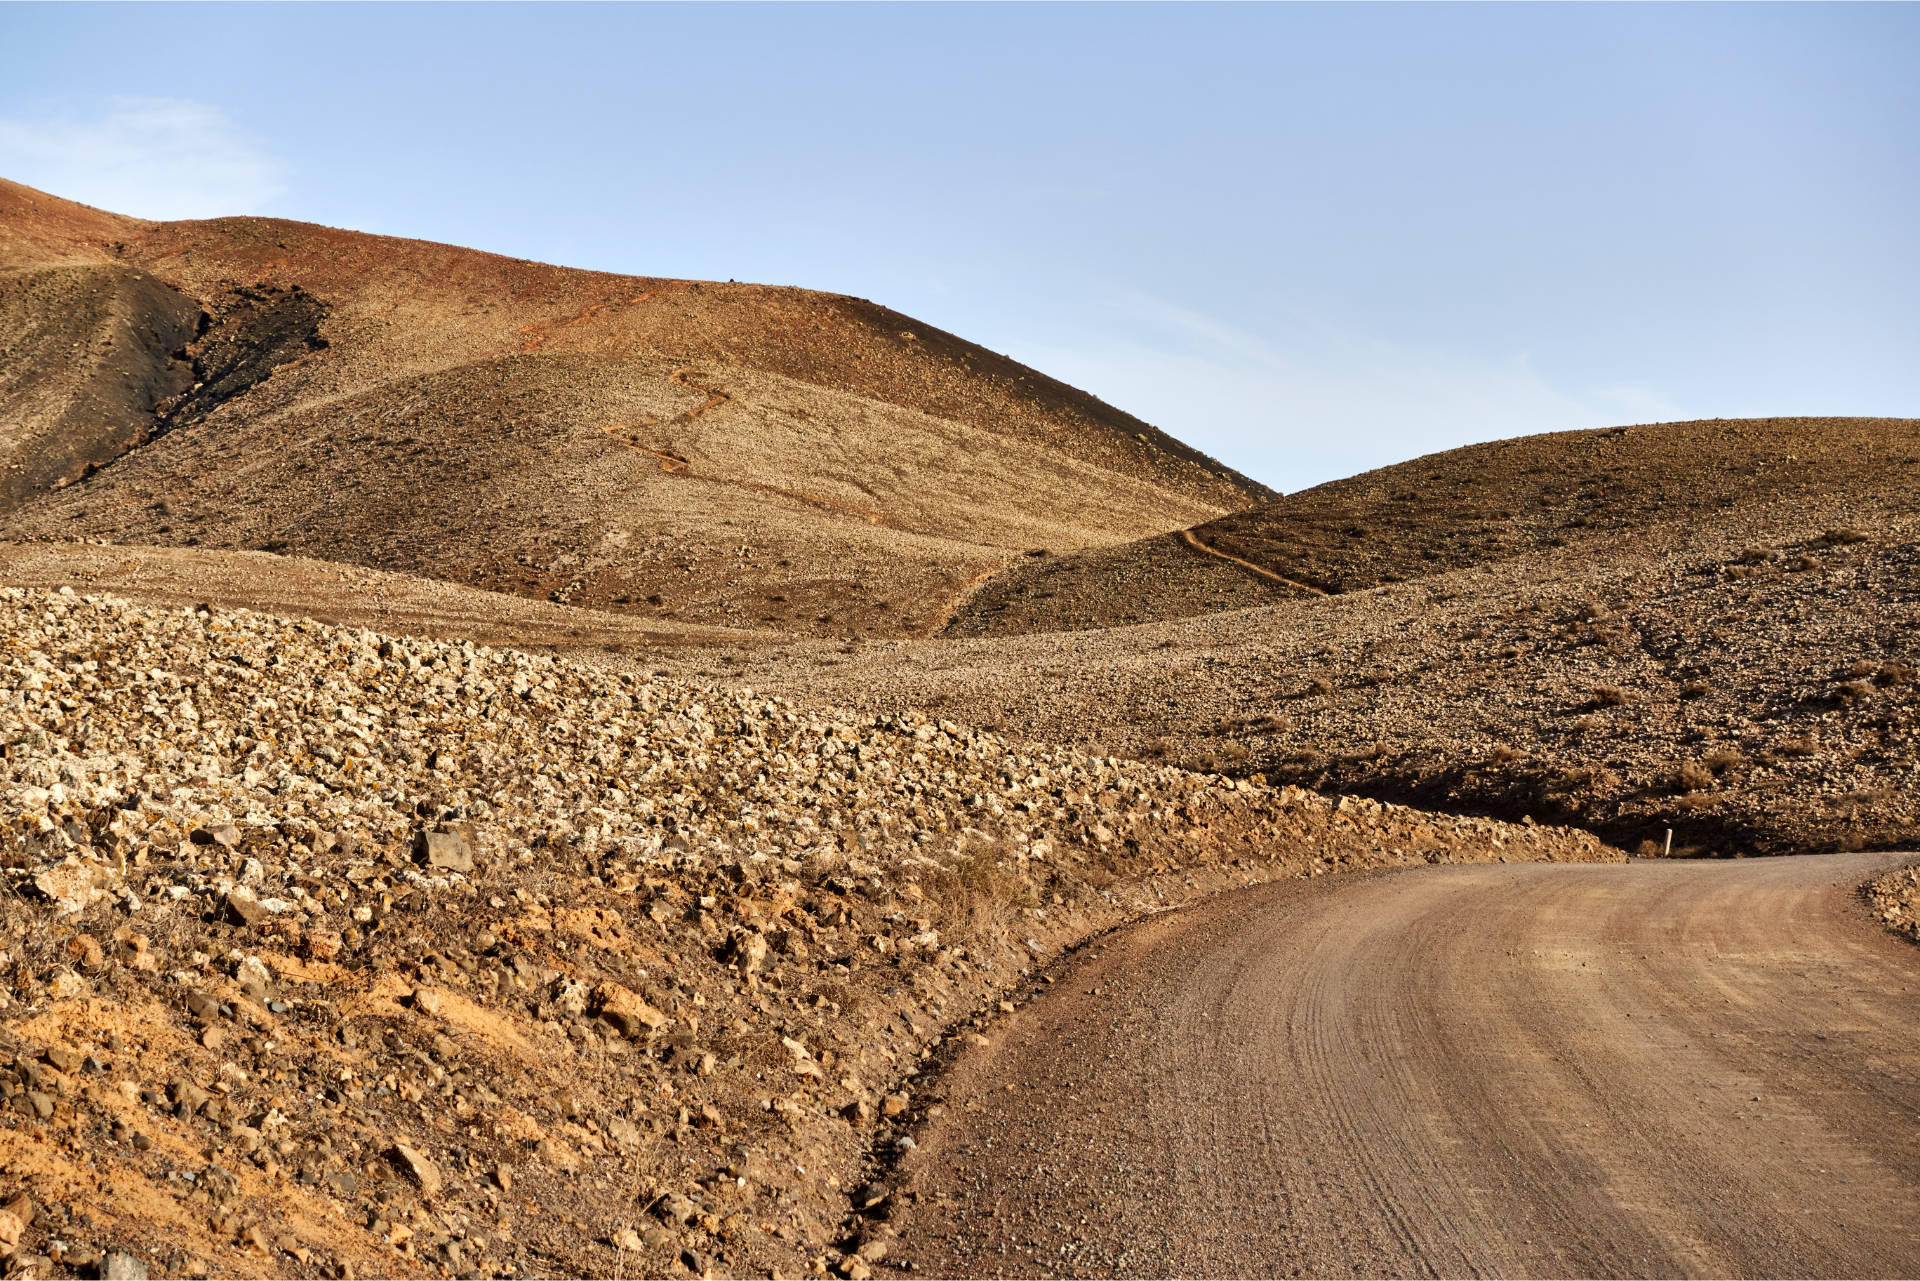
{"x":1738,"y":572}
{"x":1859,"y":668}
{"x":1802,"y":746}
{"x":1648,"y":849}
{"x":1722,"y":759}
{"x":1757,"y":555}
{"x":1502,"y":755}
{"x":1800,"y":564}
{"x":1845,"y":537}
{"x":1696,"y":801}
{"x":1692,"y":777}
{"x":1318,"y":685}
{"x":1222,"y":759}
{"x":1852,"y":691}
{"x":1891,"y":674}
{"x":1695,"y":689}
{"x":1579,"y":776}
{"x":1610,"y":696}
{"x":984,"y":876}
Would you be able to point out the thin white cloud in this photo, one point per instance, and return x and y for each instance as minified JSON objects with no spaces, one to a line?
{"x":150,"y":157}
{"x":1319,"y":403}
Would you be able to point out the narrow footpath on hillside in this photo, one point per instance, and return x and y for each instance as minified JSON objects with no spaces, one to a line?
{"x":1649,"y":1069}
{"x":1199,"y":544}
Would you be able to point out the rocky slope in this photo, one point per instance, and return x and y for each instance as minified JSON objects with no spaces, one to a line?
{"x":1479,"y":505}
{"x":1748,"y":683}
{"x":1895,"y":898}
{"x":337,"y":954}
{"x":725,"y":454}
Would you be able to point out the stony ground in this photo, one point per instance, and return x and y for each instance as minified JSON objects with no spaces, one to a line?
{"x":335,"y":954}
{"x":1461,"y":508}
{"x":1748,"y":683}
{"x":1895,"y":897}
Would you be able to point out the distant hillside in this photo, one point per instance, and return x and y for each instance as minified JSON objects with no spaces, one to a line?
{"x":1747,"y":681}
{"x":715,"y":453}
{"x":1454,"y":510}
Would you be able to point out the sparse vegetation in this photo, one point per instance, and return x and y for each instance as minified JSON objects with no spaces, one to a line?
{"x":1692,"y":776}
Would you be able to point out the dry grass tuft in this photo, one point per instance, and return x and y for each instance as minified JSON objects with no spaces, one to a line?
{"x":1852,"y":692}
{"x":1611,"y":696}
{"x":1722,"y":759}
{"x":1692,"y":777}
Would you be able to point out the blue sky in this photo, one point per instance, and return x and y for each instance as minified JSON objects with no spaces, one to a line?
{"x":1309,"y":239}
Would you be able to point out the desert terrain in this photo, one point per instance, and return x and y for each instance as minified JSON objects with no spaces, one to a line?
{"x":519,"y":771}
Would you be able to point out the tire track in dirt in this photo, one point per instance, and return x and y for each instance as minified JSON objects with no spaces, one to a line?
{"x":1661,"y":1068}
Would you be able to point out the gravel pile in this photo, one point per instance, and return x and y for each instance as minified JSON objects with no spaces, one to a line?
{"x":1895,"y":898}
{"x":330,"y":953}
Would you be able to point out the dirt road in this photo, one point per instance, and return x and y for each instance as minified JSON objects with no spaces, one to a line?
{"x":1543,"y":1070}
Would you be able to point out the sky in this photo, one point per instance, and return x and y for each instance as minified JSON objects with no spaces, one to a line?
{"x":1308,"y":239}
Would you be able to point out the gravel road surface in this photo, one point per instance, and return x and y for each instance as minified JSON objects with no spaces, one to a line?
{"x":1633,"y":1070}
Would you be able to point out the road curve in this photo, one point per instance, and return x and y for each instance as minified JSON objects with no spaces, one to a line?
{"x":1650,"y":1069}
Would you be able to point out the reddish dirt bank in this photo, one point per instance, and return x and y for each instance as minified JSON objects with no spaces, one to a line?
{"x":1651,"y":1069}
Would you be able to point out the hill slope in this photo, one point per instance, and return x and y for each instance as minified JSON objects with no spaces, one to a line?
{"x":1454,"y":510}
{"x":714,"y":453}
{"x":1749,"y":682}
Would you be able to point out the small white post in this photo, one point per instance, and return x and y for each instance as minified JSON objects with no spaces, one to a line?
{"x":1668,"y":852}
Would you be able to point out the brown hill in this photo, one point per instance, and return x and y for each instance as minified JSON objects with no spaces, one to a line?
{"x":1454,"y":510}
{"x":713,"y":453}
{"x":1747,"y":681}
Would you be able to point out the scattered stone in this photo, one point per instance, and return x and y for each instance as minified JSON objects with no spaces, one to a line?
{"x":629,"y":1014}
{"x":245,"y":907}
{"x":15,"y":1217}
{"x":675,"y":1208}
{"x":68,"y":885}
{"x":118,"y":1265}
{"x":447,"y":851}
{"x":226,"y":836}
{"x":416,"y":1164}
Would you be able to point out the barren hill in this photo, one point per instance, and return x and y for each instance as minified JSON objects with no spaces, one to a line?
{"x":715,"y":453}
{"x":1748,"y":681}
{"x":1473,"y":506}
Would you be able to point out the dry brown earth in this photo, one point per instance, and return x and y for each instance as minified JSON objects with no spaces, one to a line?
{"x":1479,"y":505}
{"x":726,"y":454}
{"x":330,"y":951}
{"x":1749,"y":683}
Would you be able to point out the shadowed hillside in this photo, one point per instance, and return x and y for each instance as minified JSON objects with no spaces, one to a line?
{"x":1454,"y":510}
